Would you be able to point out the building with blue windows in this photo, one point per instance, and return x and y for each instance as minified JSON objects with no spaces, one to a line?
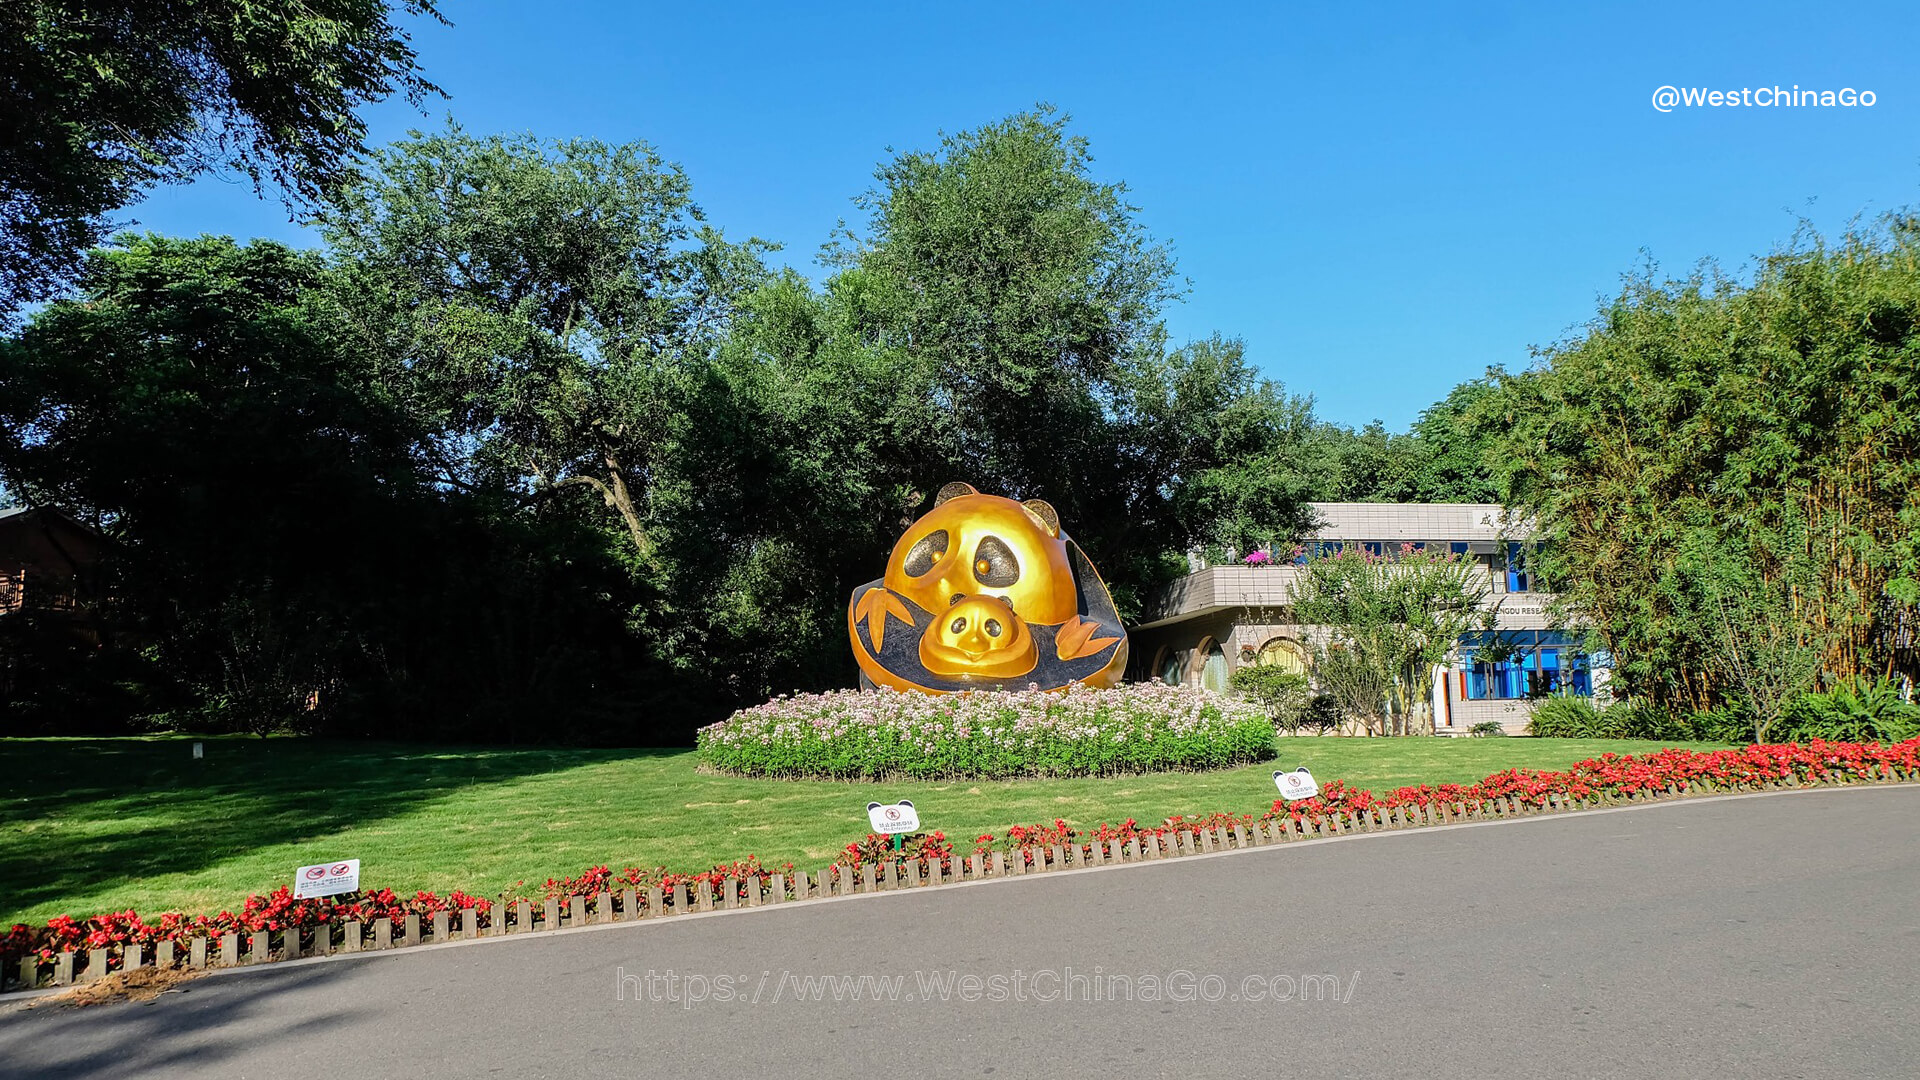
{"x":1200,"y":628}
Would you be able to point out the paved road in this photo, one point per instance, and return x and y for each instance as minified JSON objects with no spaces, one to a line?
{"x":1773,"y":936}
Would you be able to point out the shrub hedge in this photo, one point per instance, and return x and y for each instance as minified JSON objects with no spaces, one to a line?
{"x":989,"y":735}
{"x":1569,"y":716}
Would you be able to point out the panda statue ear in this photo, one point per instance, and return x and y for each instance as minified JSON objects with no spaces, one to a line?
{"x":953,"y":491}
{"x":1043,"y":512}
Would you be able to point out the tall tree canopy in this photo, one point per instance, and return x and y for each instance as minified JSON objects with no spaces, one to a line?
{"x":99,"y":101}
{"x":1709,"y":453}
{"x":544,"y":301}
{"x":282,"y":555}
{"x":1020,"y":303}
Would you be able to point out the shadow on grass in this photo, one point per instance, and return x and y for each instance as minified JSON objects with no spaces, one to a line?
{"x":80,"y":812}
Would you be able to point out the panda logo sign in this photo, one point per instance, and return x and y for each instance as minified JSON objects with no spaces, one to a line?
{"x":326,"y":879}
{"x":890,"y":818}
{"x":1298,"y":784}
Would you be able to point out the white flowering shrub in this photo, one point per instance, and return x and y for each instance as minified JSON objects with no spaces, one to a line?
{"x":874,"y":734}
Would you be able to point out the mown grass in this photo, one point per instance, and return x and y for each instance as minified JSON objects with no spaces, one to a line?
{"x":92,"y":825}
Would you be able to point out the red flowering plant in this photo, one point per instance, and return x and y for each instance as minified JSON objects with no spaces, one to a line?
{"x":747,"y":874}
{"x":1123,"y":832}
{"x":1029,"y":843}
{"x":878,"y":850}
{"x":1219,"y":819}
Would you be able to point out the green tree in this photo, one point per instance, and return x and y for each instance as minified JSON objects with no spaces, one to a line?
{"x":1708,"y":438}
{"x":191,"y":402}
{"x":1454,"y":440}
{"x":1017,"y":303}
{"x":283,"y":555}
{"x":1013,"y":286}
{"x":99,"y":102}
{"x":546,"y":305}
{"x":1283,"y":695}
{"x":1380,"y":626}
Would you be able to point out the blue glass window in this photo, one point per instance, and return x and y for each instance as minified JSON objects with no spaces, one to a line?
{"x":1510,"y":665}
{"x":1518,"y":580}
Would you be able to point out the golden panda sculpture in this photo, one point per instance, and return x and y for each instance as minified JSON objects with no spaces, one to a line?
{"x":986,"y":592}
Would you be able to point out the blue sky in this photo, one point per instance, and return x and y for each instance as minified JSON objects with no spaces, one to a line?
{"x":1380,"y":202}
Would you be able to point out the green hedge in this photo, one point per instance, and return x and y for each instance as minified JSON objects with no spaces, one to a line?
{"x":883,"y":734}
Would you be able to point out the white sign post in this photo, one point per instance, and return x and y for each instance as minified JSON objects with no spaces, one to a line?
{"x":891,"y":818}
{"x":326,"y":879}
{"x":1295,"y":785}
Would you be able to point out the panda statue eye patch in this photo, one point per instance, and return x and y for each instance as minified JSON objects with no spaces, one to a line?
{"x":994,"y":565}
{"x":926,"y":553}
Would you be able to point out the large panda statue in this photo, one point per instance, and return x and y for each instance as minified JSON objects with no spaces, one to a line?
{"x":986,"y":592}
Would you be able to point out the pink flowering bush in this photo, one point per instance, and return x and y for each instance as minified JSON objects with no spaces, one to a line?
{"x":882,"y":734}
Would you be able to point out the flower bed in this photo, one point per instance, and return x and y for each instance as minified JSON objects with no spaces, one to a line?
{"x":885,"y":734}
{"x":1607,"y":778}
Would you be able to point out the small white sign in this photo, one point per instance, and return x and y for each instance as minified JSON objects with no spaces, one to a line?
{"x":326,"y":879}
{"x":889,"y":818}
{"x":1298,"y":784}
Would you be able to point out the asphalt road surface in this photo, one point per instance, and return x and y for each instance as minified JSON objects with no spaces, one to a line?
{"x":1769,"y":936}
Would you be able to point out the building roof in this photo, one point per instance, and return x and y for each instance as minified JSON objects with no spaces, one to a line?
{"x":1415,"y":521}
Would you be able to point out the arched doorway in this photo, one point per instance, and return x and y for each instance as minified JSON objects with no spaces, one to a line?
{"x":1213,"y":669}
{"x":1284,"y":653}
{"x":1171,"y":666}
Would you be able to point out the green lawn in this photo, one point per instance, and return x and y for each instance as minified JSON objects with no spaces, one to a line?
{"x":92,"y":825}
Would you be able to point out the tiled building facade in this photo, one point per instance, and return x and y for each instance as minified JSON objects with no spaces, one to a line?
{"x":1199,"y":629}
